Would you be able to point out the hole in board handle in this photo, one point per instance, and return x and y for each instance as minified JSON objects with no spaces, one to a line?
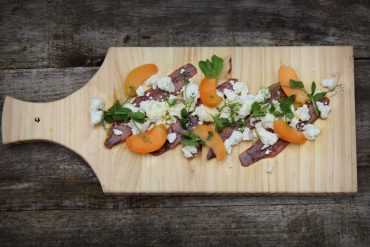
{"x":37,"y":119}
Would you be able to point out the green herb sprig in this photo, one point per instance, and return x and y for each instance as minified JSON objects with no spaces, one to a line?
{"x":212,"y":68}
{"x":313,"y":97}
{"x":122,"y":114}
{"x":185,"y":118}
{"x":191,"y":139}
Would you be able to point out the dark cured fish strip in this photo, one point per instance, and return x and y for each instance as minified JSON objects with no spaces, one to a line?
{"x":116,"y":139}
{"x":177,"y":79}
{"x":255,"y":152}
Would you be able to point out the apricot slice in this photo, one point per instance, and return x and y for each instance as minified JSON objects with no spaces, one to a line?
{"x":208,"y":93}
{"x":210,"y":137}
{"x":287,"y":133}
{"x":149,"y":141}
{"x":287,"y":73}
{"x":137,"y":77}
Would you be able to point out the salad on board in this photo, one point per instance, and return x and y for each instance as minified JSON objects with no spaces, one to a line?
{"x":162,"y":112}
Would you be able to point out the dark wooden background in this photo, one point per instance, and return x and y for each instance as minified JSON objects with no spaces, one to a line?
{"x":50,"y":197}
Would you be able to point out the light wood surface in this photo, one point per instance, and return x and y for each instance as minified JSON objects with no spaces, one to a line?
{"x":326,"y":165}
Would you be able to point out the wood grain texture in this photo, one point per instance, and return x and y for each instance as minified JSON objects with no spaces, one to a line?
{"x":292,"y":225}
{"x":310,"y":168}
{"x":40,"y":33}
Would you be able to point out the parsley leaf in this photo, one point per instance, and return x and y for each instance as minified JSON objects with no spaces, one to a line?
{"x":296,"y":84}
{"x":319,"y":96}
{"x":191,"y":139}
{"x":185,"y":118}
{"x":122,"y":114}
{"x":313,"y":88}
{"x":285,"y":105}
{"x":212,"y":68}
{"x":257,"y":110}
{"x":274,"y":112}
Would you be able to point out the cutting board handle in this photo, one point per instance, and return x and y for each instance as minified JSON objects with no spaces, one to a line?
{"x":26,"y":121}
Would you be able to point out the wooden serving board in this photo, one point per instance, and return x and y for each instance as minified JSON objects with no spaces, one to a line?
{"x":325,"y":165}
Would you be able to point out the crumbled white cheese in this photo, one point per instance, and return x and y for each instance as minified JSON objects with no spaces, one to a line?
{"x":132,"y":107}
{"x":267,"y":137}
{"x":152,"y":81}
{"x":175,"y":110}
{"x":239,"y":87}
{"x":247,"y":134}
{"x":264,"y":146}
{"x":191,"y":94}
{"x":328,"y":83}
{"x":293,"y":122}
{"x":96,"y":110}
{"x":262,"y":95}
{"x":323,"y":109}
{"x":154,"y":110}
{"x":96,"y":117}
{"x":205,"y":113}
{"x":137,"y":127}
{"x":235,"y":138}
{"x":165,"y":83}
{"x":232,"y":82}
{"x":191,"y":91}
{"x":302,"y":113}
{"x":268,"y":151}
{"x":140,"y":91}
{"x":171,"y":137}
{"x":219,"y":93}
{"x":311,"y":131}
{"x":268,"y":121}
{"x":117,"y":132}
{"x":147,"y":94}
{"x":269,"y":169}
{"x":96,"y":104}
{"x":189,"y":151}
{"x":230,"y":94}
{"x":276,"y":105}
{"x":182,"y":71}
{"x":244,"y":110}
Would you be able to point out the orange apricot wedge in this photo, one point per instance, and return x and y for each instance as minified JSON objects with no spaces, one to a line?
{"x":287,"y":133}
{"x":208,"y":93}
{"x":287,"y":73}
{"x":210,"y":137}
{"x":148,"y":141}
{"x":137,"y":77}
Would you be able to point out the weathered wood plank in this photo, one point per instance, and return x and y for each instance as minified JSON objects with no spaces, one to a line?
{"x":64,"y":193}
{"x":41,"y":33}
{"x":262,"y":225}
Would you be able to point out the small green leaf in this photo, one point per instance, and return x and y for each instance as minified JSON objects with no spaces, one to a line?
{"x":211,"y":68}
{"x":172,"y":102}
{"x":138,"y":117}
{"x":255,"y":107}
{"x":296,"y":84}
{"x":313,"y":88}
{"x":218,"y":64}
{"x":184,"y":113}
{"x":289,"y":114}
{"x":319,"y":96}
